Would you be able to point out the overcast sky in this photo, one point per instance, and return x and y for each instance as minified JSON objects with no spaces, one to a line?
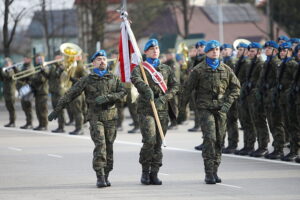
{"x":31,"y":6}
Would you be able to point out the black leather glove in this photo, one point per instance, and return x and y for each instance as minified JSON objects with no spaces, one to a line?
{"x":149,"y":94}
{"x":101,"y":100}
{"x":52,"y":115}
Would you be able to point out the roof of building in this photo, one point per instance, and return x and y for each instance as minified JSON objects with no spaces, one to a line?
{"x":60,"y":23}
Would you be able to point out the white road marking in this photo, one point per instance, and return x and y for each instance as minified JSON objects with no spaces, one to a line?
{"x":15,"y":149}
{"x":54,"y":155}
{"x":164,"y":174}
{"x":233,"y":186}
{"x":140,"y":144}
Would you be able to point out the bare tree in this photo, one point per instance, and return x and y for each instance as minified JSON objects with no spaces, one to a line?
{"x":8,"y":35}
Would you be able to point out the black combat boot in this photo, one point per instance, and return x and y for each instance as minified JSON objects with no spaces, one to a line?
{"x":217,"y":178}
{"x":229,"y":150}
{"x":134,"y":130}
{"x":154,"y":180}
{"x":209,"y":178}
{"x":10,"y":124}
{"x":245,"y":151}
{"x":108,"y":184}
{"x":199,"y":147}
{"x":26,"y":126}
{"x":289,"y":157}
{"x":40,"y":128}
{"x":195,"y":129}
{"x":145,"y":179}
{"x":77,"y":132}
{"x":276,"y":154}
{"x":58,"y":130}
{"x":298,"y":159}
{"x":101,"y":181}
{"x":260,"y":152}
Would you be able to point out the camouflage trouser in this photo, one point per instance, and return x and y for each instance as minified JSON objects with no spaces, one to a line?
{"x":196,"y":112}
{"x":248,"y":124}
{"x":294,"y":118}
{"x":60,"y":116}
{"x":232,"y":126}
{"x":151,"y":154}
{"x":259,"y":117}
{"x":27,"y":108}
{"x":103,"y":134}
{"x":132,"y":106}
{"x":76,"y":106}
{"x":10,"y":106}
{"x":41,"y":109}
{"x":120,"y":107}
{"x":70,"y":113}
{"x":213,"y":126}
{"x":288,"y":128}
{"x":275,"y":122}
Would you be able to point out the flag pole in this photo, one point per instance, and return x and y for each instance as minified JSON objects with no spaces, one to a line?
{"x":139,"y":58}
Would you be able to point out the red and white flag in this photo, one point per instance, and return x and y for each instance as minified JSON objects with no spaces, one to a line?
{"x":129,"y":53}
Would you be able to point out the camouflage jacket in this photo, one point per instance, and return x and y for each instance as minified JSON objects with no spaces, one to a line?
{"x":94,"y":86}
{"x":213,"y":88}
{"x":170,"y":80}
{"x":231,"y":62}
{"x":241,"y":68}
{"x":39,"y":84}
{"x":267,"y":79}
{"x":284,"y":82}
{"x":55,"y":78}
{"x":9,"y":85}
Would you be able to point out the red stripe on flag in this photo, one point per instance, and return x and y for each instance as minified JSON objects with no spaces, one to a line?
{"x":121,"y":60}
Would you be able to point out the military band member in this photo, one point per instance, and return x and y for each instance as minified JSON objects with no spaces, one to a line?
{"x":151,"y":153}
{"x":9,"y":90}
{"x":102,"y":90}
{"x":232,"y":115}
{"x":217,"y":88}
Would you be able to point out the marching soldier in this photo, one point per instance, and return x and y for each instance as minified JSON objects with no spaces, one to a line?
{"x":284,"y":78}
{"x":9,"y":90}
{"x":102,"y":90}
{"x":40,"y":90}
{"x":161,"y":92}
{"x":217,"y":88}
{"x":54,"y":76}
{"x":265,"y":86}
{"x":232,"y":115}
{"x":26,"y":99}
{"x":256,"y":112}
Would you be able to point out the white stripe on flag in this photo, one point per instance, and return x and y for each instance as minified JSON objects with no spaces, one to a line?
{"x":126,"y":57}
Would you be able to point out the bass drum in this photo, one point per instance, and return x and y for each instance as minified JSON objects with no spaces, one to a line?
{"x":25,"y":92}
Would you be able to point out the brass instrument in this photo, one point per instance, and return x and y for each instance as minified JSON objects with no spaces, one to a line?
{"x":8,"y":68}
{"x":238,"y":41}
{"x":184,"y":50}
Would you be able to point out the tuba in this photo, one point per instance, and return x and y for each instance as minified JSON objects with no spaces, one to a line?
{"x":184,"y":50}
{"x":238,"y":41}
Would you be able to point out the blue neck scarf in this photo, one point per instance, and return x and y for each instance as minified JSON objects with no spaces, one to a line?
{"x":227,"y":58}
{"x":213,"y":63}
{"x":269,"y":58}
{"x":100,"y":72}
{"x":153,"y":61}
{"x":287,"y":59}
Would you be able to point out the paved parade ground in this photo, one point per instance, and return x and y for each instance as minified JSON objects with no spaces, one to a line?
{"x":42,"y":165}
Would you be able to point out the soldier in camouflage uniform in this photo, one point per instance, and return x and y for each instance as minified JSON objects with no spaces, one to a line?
{"x":232,"y":115}
{"x":54,"y":76}
{"x":151,"y":153}
{"x":294,"y":96}
{"x":256,"y":110}
{"x":284,"y":78}
{"x":242,"y":65}
{"x":217,"y":88}
{"x":26,"y":100}
{"x":9,"y":90}
{"x":102,"y":90}
{"x":40,"y":86}
{"x":265,"y":86}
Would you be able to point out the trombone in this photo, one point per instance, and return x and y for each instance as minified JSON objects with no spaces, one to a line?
{"x":8,"y":68}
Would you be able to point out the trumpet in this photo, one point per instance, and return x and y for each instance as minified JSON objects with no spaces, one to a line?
{"x":8,"y":68}
{"x":31,"y":71}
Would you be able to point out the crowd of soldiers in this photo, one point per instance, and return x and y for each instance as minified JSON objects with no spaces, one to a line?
{"x":221,"y":89}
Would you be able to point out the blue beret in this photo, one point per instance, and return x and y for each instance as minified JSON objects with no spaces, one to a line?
{"x":98,"y":53}
{"x":179,"y":57}
{"x":224,"y":46}
{"x":294,"y":40}
{"x":150,"y":43}
{"x":297,"y":48}
{"x":200,"y":43}
{"x":211,"y":45}
{"x":242,"y":45}
{"x":285,"y":45}
{"x":254,"y":45}
{"x":271,"y":43}
{"x":283,"y":37}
